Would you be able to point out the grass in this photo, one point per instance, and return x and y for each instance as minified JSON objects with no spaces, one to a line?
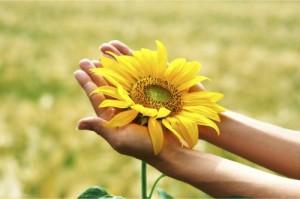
{"x":250,"y":50}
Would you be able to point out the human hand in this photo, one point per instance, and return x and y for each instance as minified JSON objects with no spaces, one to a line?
{"x":133,"y":139}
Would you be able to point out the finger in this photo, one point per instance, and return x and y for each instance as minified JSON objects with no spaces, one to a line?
{"x":86,"y":65}
{"x":96,"y":63}
{"x":121,"y":47}
{"x":85,"y":81}
{"x":88,"y":86}
{"x":97,"y":125}
{"x":106,"y":47}
{"x":197,"y":87}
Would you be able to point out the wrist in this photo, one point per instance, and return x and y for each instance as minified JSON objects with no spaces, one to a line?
{"x":209,"y":134}
{"x":169,"y":159}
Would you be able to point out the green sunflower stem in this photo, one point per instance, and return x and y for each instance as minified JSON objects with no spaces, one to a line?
{"x":144,"y":180}
{"x":154,"y":185}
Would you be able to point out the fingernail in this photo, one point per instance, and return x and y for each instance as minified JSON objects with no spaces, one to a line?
{"x":79,"y":75}
{"x":86,"y":65}
{"x":84,"y":61}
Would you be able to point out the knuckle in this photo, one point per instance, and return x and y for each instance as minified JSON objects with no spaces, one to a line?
{"x":89,"y":87}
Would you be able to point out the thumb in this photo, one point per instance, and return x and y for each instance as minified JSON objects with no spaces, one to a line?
{"x":95,"y":124}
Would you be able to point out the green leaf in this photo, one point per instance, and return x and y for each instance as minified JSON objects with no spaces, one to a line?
{"x":97,"y":193}
{"x":163,"y":195}
{"x":93,"y":192}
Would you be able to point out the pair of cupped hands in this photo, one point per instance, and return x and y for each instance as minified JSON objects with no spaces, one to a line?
{"x":133,"y":139}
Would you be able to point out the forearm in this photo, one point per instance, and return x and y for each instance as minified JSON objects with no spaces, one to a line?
{"x":223,"y":178}
{"x":270,"y":146}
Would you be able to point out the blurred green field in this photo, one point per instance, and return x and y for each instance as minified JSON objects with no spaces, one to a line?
{"x":250,"y":50}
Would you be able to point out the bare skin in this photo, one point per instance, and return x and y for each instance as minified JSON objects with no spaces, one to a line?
{"x":273,"y":147}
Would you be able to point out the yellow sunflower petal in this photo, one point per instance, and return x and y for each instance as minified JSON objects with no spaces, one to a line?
{"x":156,"y":135}
{"x":131,"y":64}
{"x":211,"y":105}
{"x":123,"y":118}
{"x":190,"y":83}
{"x":162,"y":58}
{"x":200,"y":120}
{"x":151,"y":112}
{"x":106,"y":90}
{"x":188,"y":71}
{"x":113,"y":77}
{"x":111,"y":53}
{"x":203,"y":110}
{"x":107,"y":62}
{"x":202,"y":95}
{"x":206,"y":103}
{"x":217,"y":107}
{"x":161,"y":53}
{"x":142,"y":56}
{"x":114,"y":103}
{"x":180,"y":129}
{"x":207,"y":122}
{"x":137,"y":56}
{"x":191,"y":130}
{"x":192,"y":116}
{"x":167,"y":124}
{"x":174,"y":68}
{"x":151,"y":62}
{"x":117,"y":66}
{"x":111,"y":80}
{"x":124,"y":95}
{"x":163,"y":112}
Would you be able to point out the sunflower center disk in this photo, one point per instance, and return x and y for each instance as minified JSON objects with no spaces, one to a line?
{"x":156,"y":93}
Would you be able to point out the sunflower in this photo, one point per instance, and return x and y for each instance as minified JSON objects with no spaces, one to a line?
{"x":148,"y":88}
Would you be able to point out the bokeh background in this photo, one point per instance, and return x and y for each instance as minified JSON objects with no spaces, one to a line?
{"x":251,"y":50}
